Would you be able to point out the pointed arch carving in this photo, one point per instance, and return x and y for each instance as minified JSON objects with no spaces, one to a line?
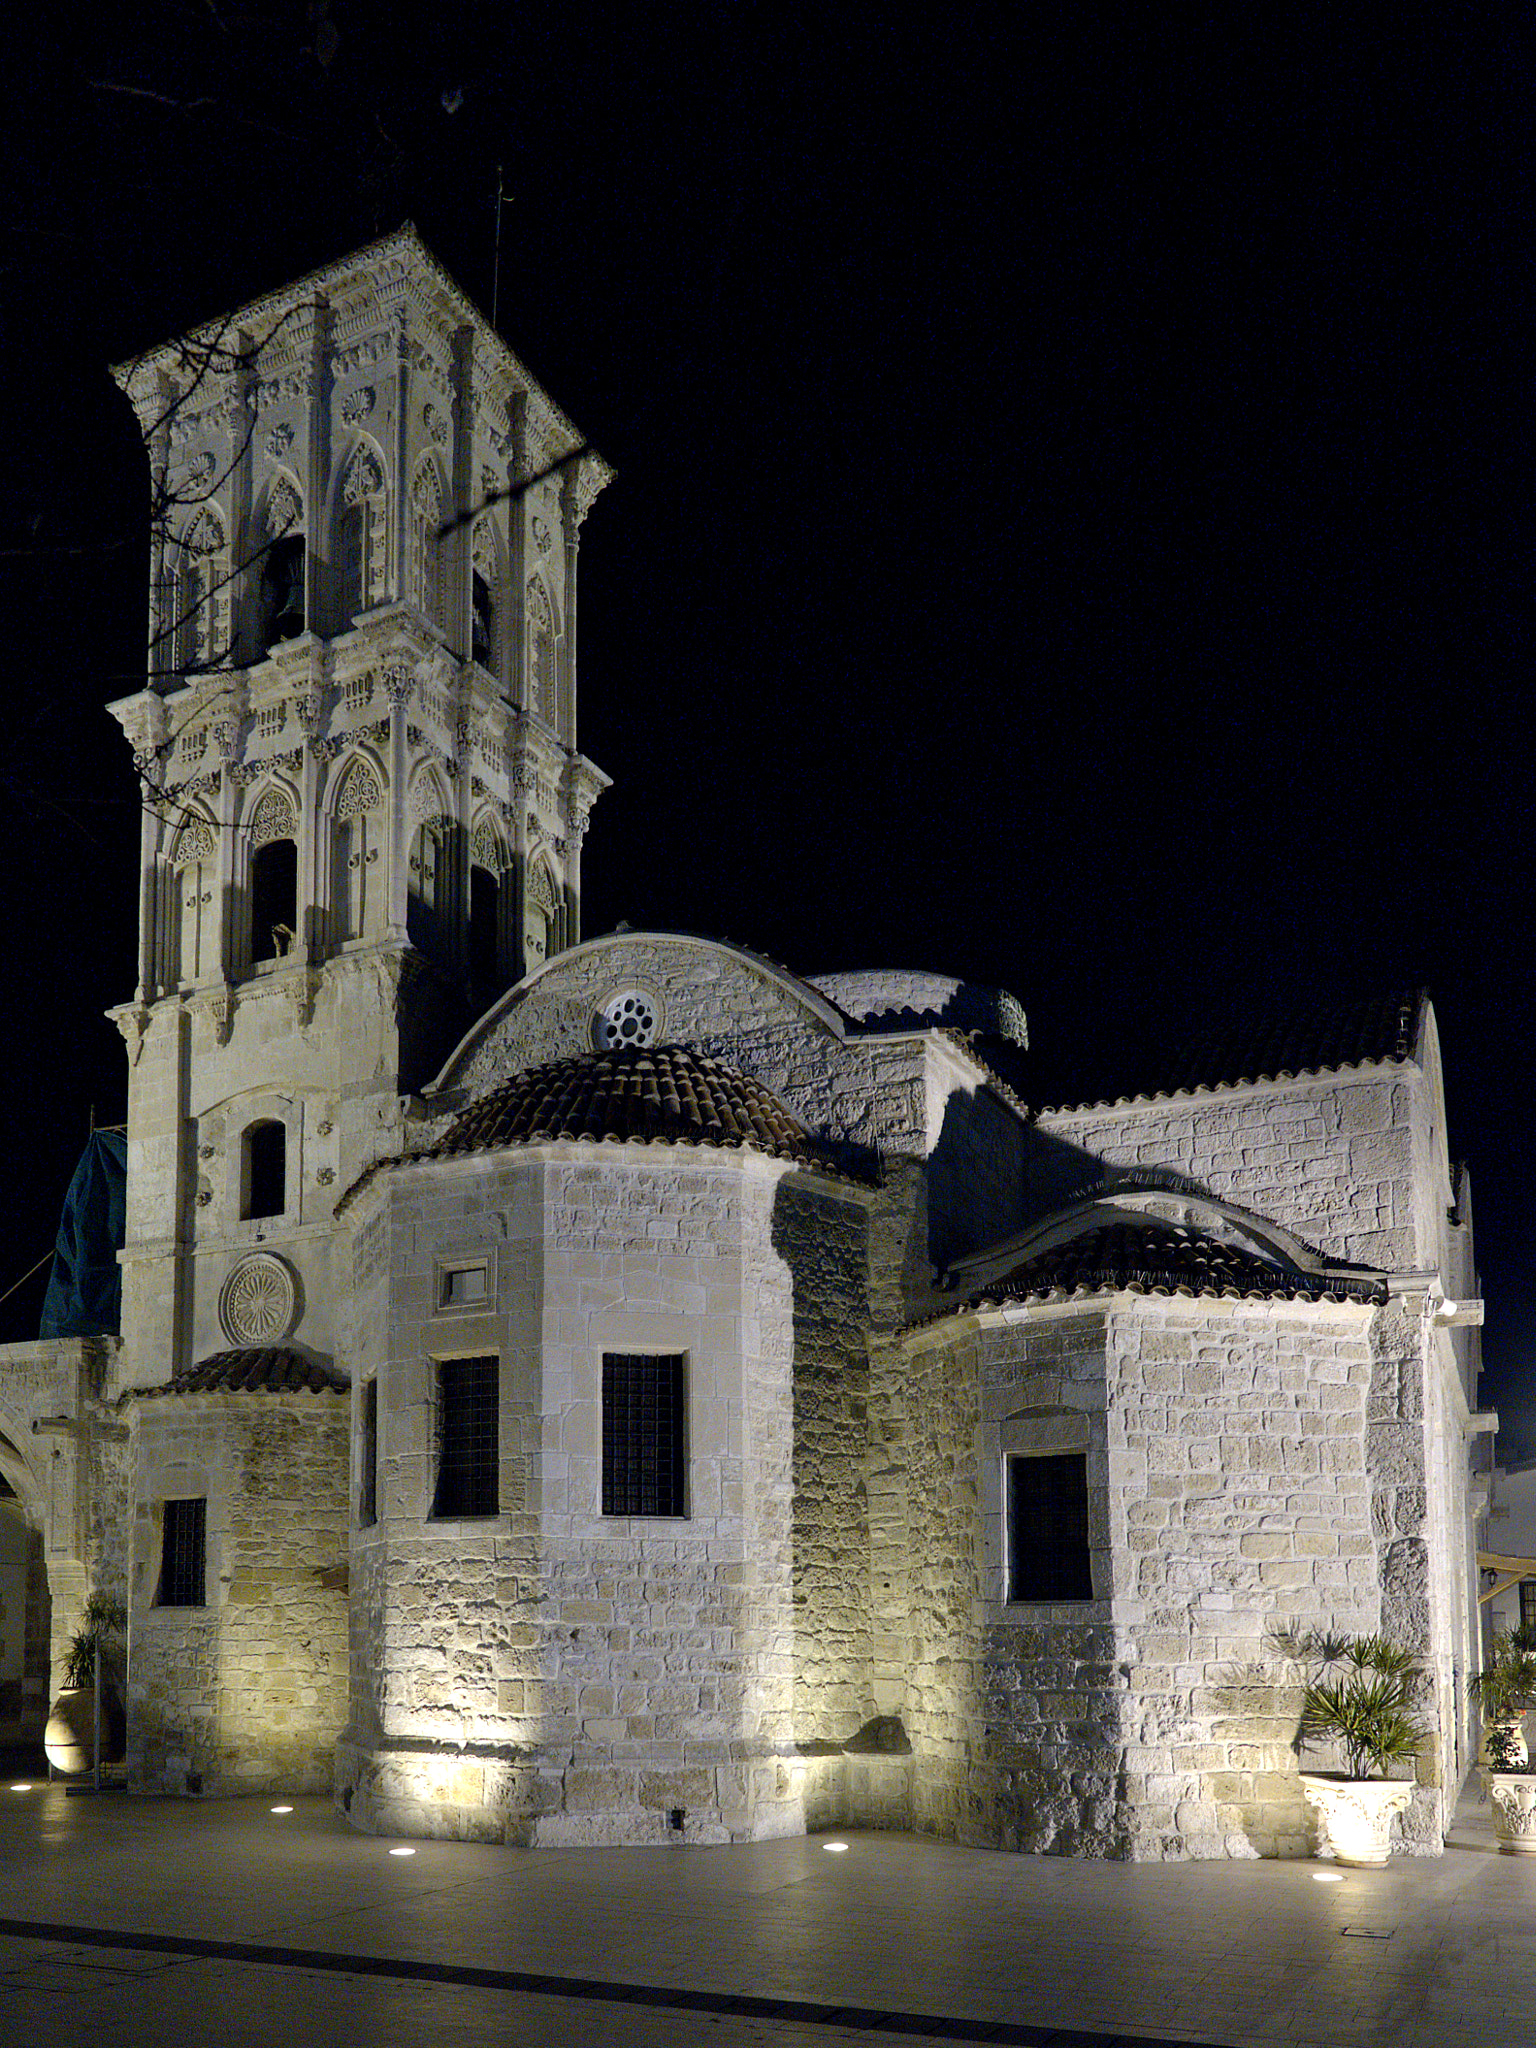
{"x":284,"y":512}
{"x":485,"y":846}
{"x":487,"y":594}
{"x":356,"y":846}
{"x":543,"y":916}
{"x":194,"y":842}
{"x":426,"y":549}
{"x":189,"y":926}
{"x":273,"y":816}
{"x":362,"y":531}
{"x":543,"y":630}
{"x":198,"y":629}
{"x":358,"y":788}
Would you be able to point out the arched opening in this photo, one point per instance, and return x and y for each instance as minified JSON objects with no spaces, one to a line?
{"x":426,"y":551}
{"x":481,"y":622}
{"x":484,"y":936}
{"x":282,"y":591}
{"x":264,"y":1170}
{"x":426,"y":901}
{"x":274,"y":898}
{"x":354,"y":851}
{"x":542,"y":936}
{"x":361,"y":535}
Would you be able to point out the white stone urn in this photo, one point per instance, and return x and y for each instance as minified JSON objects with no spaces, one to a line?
{"x":1355,"y":1815}
{"x":1512,"y":1795}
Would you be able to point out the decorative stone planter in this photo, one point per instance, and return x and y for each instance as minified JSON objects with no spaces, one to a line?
{"x":1513,"y":1731}
{"x":1355,"y":1815}
{"x":70,"y":1737}
{"x":1512,"y":1795}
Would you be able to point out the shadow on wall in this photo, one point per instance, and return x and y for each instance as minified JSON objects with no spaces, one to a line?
{"x":1057,"y":1173}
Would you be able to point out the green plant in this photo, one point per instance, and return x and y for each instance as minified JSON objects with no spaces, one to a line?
{"x":1505,"y":1688}
{"x":1502,"y":1750}
{"x":102,"y":1617}
{"x":1369,"y":1711}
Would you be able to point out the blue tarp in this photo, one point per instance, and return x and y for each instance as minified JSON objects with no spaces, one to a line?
{"x":85,"y":1289}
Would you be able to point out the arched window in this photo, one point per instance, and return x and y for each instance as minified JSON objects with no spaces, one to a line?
{"x":426,"y":552}
{"x":199,"y":625}
{"x":484,"y":597}
{"x":486,"y":952}
{"x":354,"y":850}
{"x":264,"y":1170}
{"x":426,"y":902}
{"x":193,"y":925}
{"x":541,"y":918}
{"x":541,"y":651}
{"x":274,"y":877}
{"x":361,"y":536}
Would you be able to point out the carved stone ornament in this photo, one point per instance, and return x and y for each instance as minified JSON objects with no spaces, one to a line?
{"x":543,"y":539}
{"x":279,"y":441}
{"x":358,"y":404}
{"x":1355,"y":1815}
{"x":200,"y":470}
{"x":364,"y":478}
{"x":435,"y":424}
{"x":307,"y":706}
{"x":541,"y":888}
{"x":258,"y":1300}
{"x":284,"y":510}
{"x":485,"y":847}
{"x":194,"y":842}
{"x":491,"y":485}
{"x":205,"y":536}
{"x":397,"y":682}
{"x":218,"y":1006}
{"x":538,"y":606}
{"x":272,"y":819}
{"x":1513,"y":1798}
{"x":359,"y":791}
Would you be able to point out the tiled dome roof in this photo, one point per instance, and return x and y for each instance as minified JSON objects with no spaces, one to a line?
{"x":263,"y":1369}
{"x":662,"y":1093}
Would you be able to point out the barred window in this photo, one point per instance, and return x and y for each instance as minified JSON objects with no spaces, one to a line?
{"x":368,"y":1472}
{"x":1047,"y":1514}
{"x":1528,"y":1603}
{"x":468,"y":1397}
{"x":643,"y":1436}
{"x":183,"y":1555}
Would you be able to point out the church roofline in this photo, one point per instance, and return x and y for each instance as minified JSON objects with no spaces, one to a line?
{"x":803,"y":992}
{"x":405,"y":242}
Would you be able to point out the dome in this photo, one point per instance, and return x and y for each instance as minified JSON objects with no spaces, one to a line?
{"x":667,"y":1094}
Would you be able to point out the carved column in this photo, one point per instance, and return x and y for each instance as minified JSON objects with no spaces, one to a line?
{"x":397,"y":686}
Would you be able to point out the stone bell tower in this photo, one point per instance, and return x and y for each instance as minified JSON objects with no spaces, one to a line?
{"x":364,"y":801}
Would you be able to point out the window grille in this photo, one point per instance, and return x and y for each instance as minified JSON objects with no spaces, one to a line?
{"x":1048,"y":1528}
{"x":368,"y":1476}
{"x":643,"y":1443}
{"x":183,"y":1554}
{"x":1528,"y":1603}
{"x":468,"y":1397}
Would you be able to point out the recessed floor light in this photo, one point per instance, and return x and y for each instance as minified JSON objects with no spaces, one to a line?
{"x":21,"y":1788}
{"x":402,"y":1852}
{"x":1327,"y":1877}
{"x":282,"y":1809}
{"x":834,"y":1848}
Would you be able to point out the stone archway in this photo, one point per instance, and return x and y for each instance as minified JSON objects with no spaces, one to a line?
{"x":26,"y":1625}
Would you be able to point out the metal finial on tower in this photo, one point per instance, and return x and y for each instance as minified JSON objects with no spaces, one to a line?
{"x":501,"y":201}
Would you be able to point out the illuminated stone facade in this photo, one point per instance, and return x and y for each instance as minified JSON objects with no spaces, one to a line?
{"x":583,"y":1391}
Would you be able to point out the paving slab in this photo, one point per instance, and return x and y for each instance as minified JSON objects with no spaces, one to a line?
{"x":152,"y":1917}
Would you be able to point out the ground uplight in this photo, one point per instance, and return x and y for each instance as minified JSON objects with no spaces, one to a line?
{"x":402,"y":1852}
{"x":282,"y":1809}
{"x":21,"y":1788}
{"x":834,"y":1848}
{"x":1327,"y":1877}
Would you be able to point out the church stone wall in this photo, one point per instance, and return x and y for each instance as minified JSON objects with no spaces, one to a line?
{"x":547,"y":1674}
{"x":1228,"y":1451}
{"x":1332,"y":1159}
{"x":249,"y":1692}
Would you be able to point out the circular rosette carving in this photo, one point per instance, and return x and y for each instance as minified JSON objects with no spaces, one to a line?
{"x":258,"y":1303}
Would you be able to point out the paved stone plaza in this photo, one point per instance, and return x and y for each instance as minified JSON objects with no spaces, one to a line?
{"x":237,"y":1924}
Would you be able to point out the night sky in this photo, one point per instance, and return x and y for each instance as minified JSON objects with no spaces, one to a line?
{"x":1072,"y":524}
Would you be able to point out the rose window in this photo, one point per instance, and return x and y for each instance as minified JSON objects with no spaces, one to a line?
{"x":629,"y":1018}
{"x":257,"y":1302}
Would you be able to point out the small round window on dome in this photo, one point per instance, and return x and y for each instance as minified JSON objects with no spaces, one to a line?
{"x":629,"y":1018}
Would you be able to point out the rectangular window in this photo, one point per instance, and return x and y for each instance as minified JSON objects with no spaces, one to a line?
{"x":1528,"y":1603}
{"x":468,"y":1398}
{"x":466,"y":1283}
{"x":1048,"y":1528}
{"x":643,"y":1436}
{"x":368,"y":1474}
{"x":183,"y":1555}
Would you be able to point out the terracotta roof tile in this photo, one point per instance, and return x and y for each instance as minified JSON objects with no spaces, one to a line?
{"x":666,"y":1093}
{"x":268,"y":1369}
{"x":1165,"y":1258}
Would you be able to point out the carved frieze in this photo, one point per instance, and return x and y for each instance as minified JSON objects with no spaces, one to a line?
{"x":258,"y":1302}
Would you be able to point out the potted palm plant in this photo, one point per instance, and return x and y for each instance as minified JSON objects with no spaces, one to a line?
{"x":1368,"y":1712}
{"x":1504,"y":1690}
{"x":86,"y":1706}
